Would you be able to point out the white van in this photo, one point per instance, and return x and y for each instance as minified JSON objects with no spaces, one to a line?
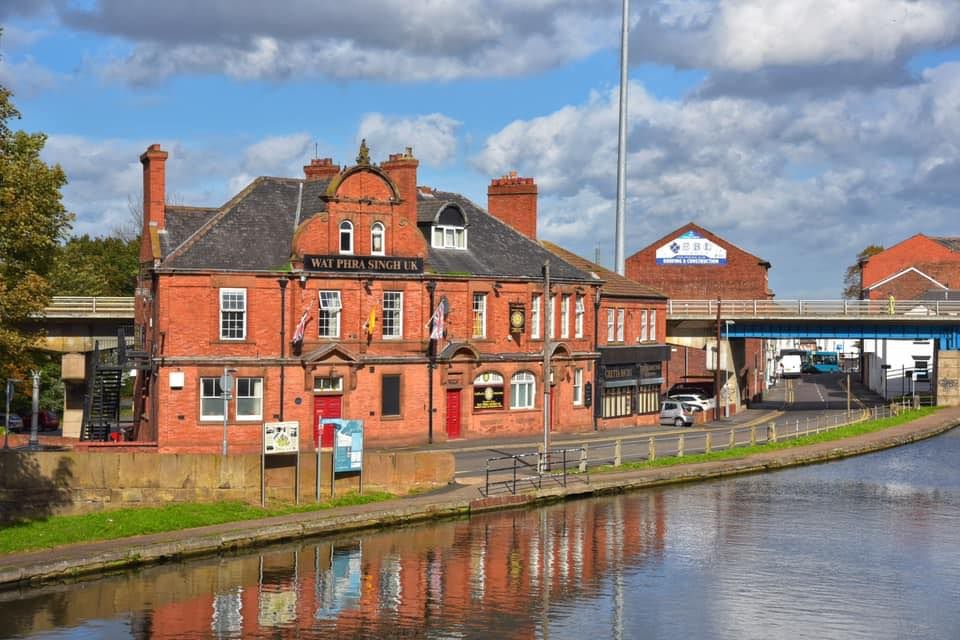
{"x":790,"y":365}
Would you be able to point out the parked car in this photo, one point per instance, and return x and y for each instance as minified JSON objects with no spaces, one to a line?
{"x":16,"y":424}
{"x":46,"y":420}
{"x":677,"y":413}
{"x":700,"y":402}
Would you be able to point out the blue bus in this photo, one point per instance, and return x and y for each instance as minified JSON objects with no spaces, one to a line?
{"x":822,"y":362}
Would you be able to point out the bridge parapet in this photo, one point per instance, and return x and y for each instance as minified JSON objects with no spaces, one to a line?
{"x":933,"y":310}
{"x":90,"y":307}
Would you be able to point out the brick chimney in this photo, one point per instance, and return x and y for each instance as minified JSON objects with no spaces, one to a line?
{"x":154,"y":185}
{"x":513,"y":200}
{"x":321,"y":169}
{"x":402,"y":169}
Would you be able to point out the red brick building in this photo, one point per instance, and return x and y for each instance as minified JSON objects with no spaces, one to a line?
{"x":359,"y":258}
{"x":919,"y":267}
{"x":692,"y":263}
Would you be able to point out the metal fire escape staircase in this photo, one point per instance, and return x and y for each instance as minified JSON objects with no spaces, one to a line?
{"x":101,"y":403}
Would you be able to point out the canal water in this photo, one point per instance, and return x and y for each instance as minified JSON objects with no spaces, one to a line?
{"x":867,"y":547}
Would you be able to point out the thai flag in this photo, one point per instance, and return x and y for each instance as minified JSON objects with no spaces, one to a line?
{"x":437,"y":321}
{"x":301,"y":327}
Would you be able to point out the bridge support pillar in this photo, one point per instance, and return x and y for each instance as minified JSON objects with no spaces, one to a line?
{"x":948,"y":378}
{"x":73,"y":373}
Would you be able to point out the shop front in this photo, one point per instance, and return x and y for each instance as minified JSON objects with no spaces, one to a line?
{"x":629,"y":383}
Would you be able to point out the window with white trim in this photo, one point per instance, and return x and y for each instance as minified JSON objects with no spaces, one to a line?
{"x":233,"y":314}
{"x":377,"y":234}
{"x":328,"y":318}
{"x":577,"y":387}
{"x":565,"y":316}
{"x":619,"y":325}
{"x":643,"y":325}
{"x":249,"y":398}
{"x":479,"y":315}
{"x":610,"y":325}
{"x":578,"y":317}
{"x":328,"y":384}
{"x":652,"y":332}
{"x":552,"y":329}
{"x":211,"y":399}
{"x":535,"y":316}
{"x":392,"y":314}
{"x":449,"y":237}
{"x":522,"y":388}
{"x":346,"y":237}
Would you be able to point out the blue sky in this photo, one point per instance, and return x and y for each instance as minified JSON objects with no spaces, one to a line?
{"x":799,"y":131}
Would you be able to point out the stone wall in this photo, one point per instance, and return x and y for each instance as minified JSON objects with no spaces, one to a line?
{"x":948,"y":378}
{"x":69,"y":482}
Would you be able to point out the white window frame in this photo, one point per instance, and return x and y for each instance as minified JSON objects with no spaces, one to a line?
{"x":652,"y":331}
{"x":565,"y":315}
{"x":377,"y":230}
{"x":523,"y":390}
{"x":214,"y":383}
{"x":449,"y":237}
{"x":552,"y":329}
{"x":535,"y":316}
{"x":257,"y":383}
{"x":578,"y":387}
{"x":345,"y":227}
{"x":578,"y":315}
{"x":610,"y":325}
{"x":397,"y":313}
{"x":620,"y":316}
{"x":225,"y":309}
{"x":328,"y":384}
{"x":479,"y":315}
{"x":643,"y":325}
{"x":330,"y":307}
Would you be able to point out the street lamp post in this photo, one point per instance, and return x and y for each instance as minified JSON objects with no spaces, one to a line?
{"x":6,"y":430}
{"x":282,"y":283}
{"x":35,"y":409}
{"x":226,"y":388}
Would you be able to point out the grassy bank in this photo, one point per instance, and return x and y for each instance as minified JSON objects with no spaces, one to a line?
{"x":839,"y":433}
{"x":109,"y":525}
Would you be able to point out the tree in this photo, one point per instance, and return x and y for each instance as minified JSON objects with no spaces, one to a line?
{"x":33,"y":221}
{"x":86,"y":266}
{"x":851,"y":279}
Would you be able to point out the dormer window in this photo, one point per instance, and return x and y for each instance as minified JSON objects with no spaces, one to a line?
{"x":376,"y":239}
{"x":346,"y":237}
{"x":450,"y":229}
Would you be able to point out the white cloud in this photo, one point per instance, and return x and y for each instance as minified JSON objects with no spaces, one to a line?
{"x":432,"y":136}
{"x":26,"y":78}
{"x":804,"y":183}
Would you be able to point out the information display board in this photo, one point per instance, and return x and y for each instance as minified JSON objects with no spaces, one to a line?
{"x":347,"y":444}
{"x":281,"y":437}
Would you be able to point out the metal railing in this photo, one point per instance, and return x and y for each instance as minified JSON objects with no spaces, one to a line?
{"x":85,"y":306}
{"x":913,"y":309}
{"x":525,"y":472}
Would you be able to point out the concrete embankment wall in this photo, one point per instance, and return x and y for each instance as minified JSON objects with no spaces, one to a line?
{"x":70,"y":482}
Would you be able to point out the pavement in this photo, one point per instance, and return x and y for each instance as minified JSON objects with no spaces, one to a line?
{"x":67,"y":562}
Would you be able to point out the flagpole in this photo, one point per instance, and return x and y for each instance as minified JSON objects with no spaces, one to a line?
{"x":431,"y":355}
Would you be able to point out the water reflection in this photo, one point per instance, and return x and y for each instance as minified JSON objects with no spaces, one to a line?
{"x":864,"y":548}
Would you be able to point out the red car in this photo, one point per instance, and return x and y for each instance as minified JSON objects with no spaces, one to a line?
{"x":46,"y":421}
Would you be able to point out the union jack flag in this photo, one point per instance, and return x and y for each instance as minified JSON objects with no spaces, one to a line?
{"x":301,"y":327}
{"x":438,"y":320}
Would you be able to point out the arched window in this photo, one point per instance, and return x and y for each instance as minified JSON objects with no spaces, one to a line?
{"x":449,"y":228}
{"x":346,"y":237}
{"x":377,"y":239}
{"x":522,"y":388}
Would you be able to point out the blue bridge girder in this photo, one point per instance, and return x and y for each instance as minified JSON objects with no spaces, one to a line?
{"x":947,"y":334}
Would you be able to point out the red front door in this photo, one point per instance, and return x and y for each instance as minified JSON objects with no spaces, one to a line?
{"x":453,"y":413}
{"x":327,"y":407}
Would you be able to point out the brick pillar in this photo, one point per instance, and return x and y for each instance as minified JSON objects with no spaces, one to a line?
{"x":321,"y":169}
{"x":513,"y":200}
{"x":402,"y":169}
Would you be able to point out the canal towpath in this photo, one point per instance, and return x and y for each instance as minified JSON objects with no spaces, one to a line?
{"x":458,"y":500}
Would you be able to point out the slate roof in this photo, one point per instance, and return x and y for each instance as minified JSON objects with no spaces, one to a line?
{"x":254,"y":232}
{"x":493,"y":247}
{"x":614,"y":284}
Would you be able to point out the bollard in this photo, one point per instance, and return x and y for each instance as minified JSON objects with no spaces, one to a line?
{"x":772,"y":432}
{"x":753,"y":435}
{"x":707,"y":442}
{"x":680,"y":446}
{"x":733,"y":440}
{"x":796,"y":430}
{"x":583,"y":458}
{"x":652,"y":449}
{"x":617,"y":454}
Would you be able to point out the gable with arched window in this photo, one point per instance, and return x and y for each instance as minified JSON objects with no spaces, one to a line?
{"x":346,"y":237}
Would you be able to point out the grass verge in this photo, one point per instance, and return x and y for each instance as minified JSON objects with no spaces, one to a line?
{"x":840,"y":433}
{"x":56,"y":531}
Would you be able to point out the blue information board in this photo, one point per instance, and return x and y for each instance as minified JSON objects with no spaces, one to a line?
{"x":347,"y":444}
